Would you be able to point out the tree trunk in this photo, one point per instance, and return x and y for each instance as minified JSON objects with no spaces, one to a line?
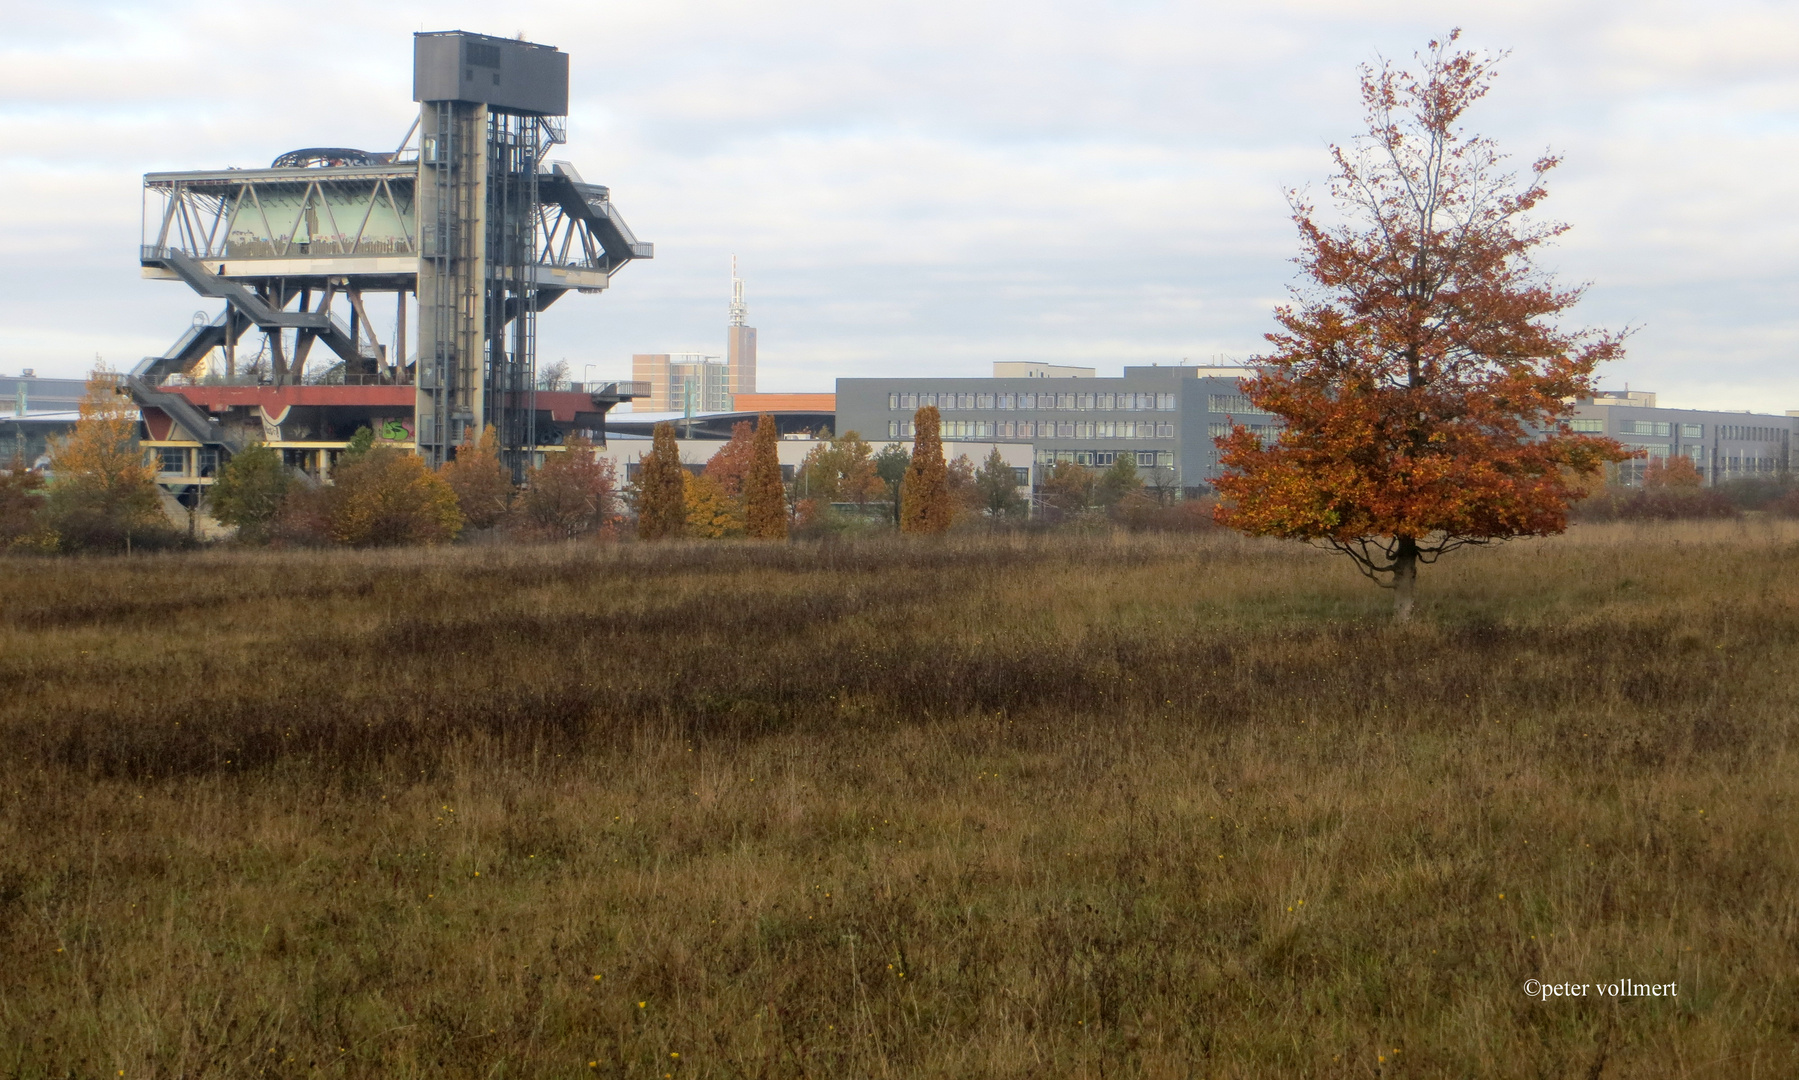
{"x":1405,"y":578}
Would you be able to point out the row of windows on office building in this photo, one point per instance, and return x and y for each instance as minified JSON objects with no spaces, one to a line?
{"x":1266,"y":431}
{"x":1701,"y":455}
{"x":1008,"y":402}
{"x":1146,"y":459}
{"x":1736,"y":432}
{"x":1039,"y":429}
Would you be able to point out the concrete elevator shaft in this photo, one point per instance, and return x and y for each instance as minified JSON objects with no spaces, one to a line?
{"x":488,"y":113}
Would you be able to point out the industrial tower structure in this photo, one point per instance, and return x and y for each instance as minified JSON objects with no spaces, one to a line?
{"x":468,"y":217}
{"x":740,"y":340}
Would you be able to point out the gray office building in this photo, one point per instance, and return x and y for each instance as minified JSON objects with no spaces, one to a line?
{"x":1724,"y":445}
{"x":1169,"y":416}
{"x":1166,"y":416}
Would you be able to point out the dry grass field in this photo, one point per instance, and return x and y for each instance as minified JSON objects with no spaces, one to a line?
{"x":1077,"y":806}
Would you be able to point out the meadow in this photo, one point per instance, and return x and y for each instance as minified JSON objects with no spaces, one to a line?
{"x":1009,"y":806}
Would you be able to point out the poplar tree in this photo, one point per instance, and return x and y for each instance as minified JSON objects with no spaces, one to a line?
{"x":924,"y":493}
{"x":765,"y":503}
{"x":661,"y":489}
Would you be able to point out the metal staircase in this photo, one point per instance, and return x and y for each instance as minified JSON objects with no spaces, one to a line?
{"x":202,"y":428}
{"x":591,"y":204}
{"x":265,"y":316}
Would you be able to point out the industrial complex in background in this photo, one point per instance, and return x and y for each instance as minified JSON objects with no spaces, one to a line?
{"x":400,"y":291}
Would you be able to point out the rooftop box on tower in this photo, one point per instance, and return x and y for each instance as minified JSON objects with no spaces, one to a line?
{"x":518,"y":76}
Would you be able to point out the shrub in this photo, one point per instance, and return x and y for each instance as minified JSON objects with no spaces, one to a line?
{"x":386,"y":497}
{"x":1141,"y":513}
{"x":1755,"y":492}
{"x":571,"y":495}
{"x":1655,"y":504}
{"x":249,"y":491}
{"x":483,"y":486}
{"x":22,"y":510}
{"x":711,"y":513}
{"x":103,"y":496}
{"x":1070,"y":487}
{"x":304,"y":519}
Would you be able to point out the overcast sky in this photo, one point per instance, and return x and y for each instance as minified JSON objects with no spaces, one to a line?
{"x":927,"y":187}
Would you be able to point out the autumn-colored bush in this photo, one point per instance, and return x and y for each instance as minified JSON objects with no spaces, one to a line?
{"x":1655,"y":504}
{"x":1138,"y":512}
{"x":839,"y":469}
{"x":103,"y":495}
{"x":1069,"y":489}
{"x":482,"y":483}
{"x":1672,"y":472}
{"x":1785,"y":505}
{"x":712,"y":514}
{"x":304,"y":517}
{"x":573,"y":494}
{"x":387,"y":497}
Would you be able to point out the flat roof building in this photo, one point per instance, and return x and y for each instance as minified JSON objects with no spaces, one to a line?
{"x":1166,"y":416}
{"x":1724,"y":446}
{"x":1169,"y":416}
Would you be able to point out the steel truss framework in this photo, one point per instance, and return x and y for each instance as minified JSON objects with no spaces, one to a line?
{"x":280,"y":246}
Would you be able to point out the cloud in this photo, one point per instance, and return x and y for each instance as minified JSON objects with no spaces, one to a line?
{"x":931,"y":186}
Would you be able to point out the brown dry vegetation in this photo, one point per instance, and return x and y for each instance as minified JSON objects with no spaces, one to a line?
{"x":1002,"y":806}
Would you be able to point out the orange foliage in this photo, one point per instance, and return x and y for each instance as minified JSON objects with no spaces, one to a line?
{"x":1423,"y":376}
{"x":924,"y":493}
{"x":102,"y":492}
{"x":102,"y":452}
{"x":387,"y":496}
{"x":483,"y":486}
{"x":572,"y":494}
{"x":764,"y":496}
{"x":731,"y":465}
{"x":1672,"y":472}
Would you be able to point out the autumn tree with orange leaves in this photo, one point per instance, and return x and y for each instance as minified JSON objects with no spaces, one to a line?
{"x":1422,"y":373}
{"x":102,"y":492}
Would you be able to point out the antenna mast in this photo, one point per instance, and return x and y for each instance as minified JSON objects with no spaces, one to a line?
{"x":739,"y":310}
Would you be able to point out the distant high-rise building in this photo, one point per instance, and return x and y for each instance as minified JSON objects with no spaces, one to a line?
{"x":740,"y":340}
{"x":690,"y":382}
{"x":681,"y":382}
